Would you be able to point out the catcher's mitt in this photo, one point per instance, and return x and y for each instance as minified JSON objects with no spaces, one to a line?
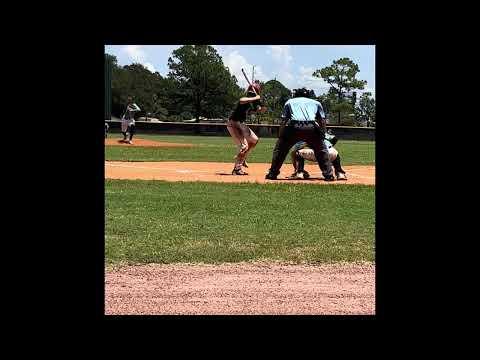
{"x":331,"y":137}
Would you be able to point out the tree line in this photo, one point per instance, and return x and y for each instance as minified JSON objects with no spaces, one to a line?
{"x":198,"y":84}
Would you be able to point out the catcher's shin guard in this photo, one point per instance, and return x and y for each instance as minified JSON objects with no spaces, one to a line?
{"x":300,"y":163}
{"x":337,"y":165}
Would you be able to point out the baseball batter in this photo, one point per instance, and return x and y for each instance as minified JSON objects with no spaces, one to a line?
{"x":242,"y":135}
{"x":301,"y":152}
{"x":128,"y":121}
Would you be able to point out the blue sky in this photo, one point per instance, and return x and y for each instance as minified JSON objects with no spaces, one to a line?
{"x":293,"y":65}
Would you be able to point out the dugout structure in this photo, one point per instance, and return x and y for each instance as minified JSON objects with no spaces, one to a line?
{"x":108,"y":88}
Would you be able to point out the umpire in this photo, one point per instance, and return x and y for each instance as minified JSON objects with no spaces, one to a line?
{"x":304,"y":119}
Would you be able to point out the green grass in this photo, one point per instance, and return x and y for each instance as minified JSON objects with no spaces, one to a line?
{"x":162,"y":222}
{"x":222,"y":149}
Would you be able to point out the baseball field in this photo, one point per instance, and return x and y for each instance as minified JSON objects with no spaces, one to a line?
{"x":184,"y":236}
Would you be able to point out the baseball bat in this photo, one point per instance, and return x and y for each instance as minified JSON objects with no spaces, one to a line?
{"x":249,"y":83}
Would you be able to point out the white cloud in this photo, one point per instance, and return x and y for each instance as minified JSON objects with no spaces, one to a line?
{"x":137,"y":54}
{"x":283,"y":59}
{"x":306,"y":79}
{"x":281,"y":54}
{"x":235,"y":62}
{"x":285,"y":77}
{"x":150,"y":67}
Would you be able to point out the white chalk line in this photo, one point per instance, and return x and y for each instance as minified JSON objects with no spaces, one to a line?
{"x":182,"y":171}
{"x":189,"y":171}
{"x":349,"y":174}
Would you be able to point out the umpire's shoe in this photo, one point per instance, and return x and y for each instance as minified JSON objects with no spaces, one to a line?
{"x":270,"y":176}
{"x":341,"y":176}
{"x":329,"y":178}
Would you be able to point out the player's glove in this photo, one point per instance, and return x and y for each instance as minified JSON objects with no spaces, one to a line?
{"x":332,"y":138}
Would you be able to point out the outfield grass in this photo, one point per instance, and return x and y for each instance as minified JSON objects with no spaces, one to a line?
{"x":222,"y":149}
{"x":162,"y":222}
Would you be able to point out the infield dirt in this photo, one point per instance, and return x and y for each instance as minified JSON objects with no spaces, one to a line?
{"x":143,"y":143}
{"x":221,"y":172}
{"x":241,"y":288}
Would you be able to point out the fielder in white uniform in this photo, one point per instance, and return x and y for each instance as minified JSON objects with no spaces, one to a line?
{"x":128,"y":121}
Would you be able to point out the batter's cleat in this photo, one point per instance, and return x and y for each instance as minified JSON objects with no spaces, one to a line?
{"x":341,"y":176}
{"x":329,"y":178}
{"x":238,"y":172}
{"x":270,"y":176}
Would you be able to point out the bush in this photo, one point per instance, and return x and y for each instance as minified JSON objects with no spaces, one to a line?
{"x":175,"y":118}
{"x":348,"y":120}
{"x":162,"y":117}
{"x":266,"y":118}
{"x":186,"y":115}
{"x":161,"y":111}
{"x":161,"y":114}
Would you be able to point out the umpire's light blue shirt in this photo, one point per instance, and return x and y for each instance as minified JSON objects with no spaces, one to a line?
{"x":302,"y":109}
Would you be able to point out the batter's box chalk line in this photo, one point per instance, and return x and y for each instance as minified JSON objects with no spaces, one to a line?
{"x":184,"y":171}
{"x":348,"y":174}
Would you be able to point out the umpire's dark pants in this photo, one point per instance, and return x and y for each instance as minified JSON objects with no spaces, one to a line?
{"x":294,"y":132}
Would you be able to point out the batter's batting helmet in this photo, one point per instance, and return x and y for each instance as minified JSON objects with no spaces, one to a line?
{"x":256,"y":86}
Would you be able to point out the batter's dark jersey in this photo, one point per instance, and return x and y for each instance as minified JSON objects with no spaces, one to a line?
{"x":241,"y":111}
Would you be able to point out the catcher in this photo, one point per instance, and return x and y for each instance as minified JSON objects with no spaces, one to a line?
{"x":301,"y":152}
{"x":242,"y":135}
